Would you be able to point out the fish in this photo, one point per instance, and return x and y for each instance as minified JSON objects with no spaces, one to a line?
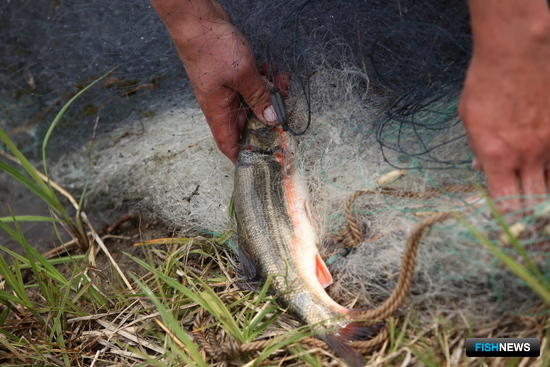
{"x":278,"y":237}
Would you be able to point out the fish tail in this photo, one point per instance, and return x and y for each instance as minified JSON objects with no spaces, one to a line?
{"x":339,"y":345}
{"x":354,"y":331}
{"x":351,"y":332}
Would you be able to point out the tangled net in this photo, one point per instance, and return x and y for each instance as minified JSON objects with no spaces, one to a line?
{"x":380,"y":79}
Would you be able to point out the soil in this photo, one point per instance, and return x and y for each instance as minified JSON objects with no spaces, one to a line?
{"x":121,"y":228}
{"x":15,"y":199}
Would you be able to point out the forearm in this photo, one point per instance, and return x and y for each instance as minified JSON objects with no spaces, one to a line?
{"x":504,"y":27}
{"x":188,"y":21}
{"x":504,"y":103}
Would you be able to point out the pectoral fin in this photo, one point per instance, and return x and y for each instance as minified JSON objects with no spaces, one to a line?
{"x":247,"y":266}
{"x":323,"y":274}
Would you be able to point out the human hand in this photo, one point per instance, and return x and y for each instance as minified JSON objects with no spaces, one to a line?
{"x":223,"y":73}
{"x":505,"y":107}
{"x":221,"y":68}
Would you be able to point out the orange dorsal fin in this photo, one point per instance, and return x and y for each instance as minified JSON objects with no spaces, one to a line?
{"x":323,"y":274}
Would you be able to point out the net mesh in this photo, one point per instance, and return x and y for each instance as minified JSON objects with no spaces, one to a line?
{"x":381,"y":81}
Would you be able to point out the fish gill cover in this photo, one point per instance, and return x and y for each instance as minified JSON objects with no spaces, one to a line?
{"x":379,"y":78}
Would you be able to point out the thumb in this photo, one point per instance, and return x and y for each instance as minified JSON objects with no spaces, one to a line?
{"x":257,"y":94}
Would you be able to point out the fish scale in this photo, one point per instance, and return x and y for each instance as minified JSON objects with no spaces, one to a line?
{"x":278,"y":237}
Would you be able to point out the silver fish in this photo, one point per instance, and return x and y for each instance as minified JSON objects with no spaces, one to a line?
{"x":278,"y":238}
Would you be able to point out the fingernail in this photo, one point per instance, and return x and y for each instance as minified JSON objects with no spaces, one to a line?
{"x":475,"y":164}
{"x":269,"y":114}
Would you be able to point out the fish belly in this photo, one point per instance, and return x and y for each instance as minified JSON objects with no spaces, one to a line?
{"x":276,"y":233}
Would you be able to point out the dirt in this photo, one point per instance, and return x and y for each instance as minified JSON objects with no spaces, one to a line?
{"x":121,"y":228}
{"x":15,"y":199}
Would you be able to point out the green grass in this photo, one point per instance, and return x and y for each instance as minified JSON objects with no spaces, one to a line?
{"x":517,"y":260}
{"x":76,"y":309}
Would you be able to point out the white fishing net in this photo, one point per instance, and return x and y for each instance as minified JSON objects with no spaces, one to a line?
{"x":380,"y":99}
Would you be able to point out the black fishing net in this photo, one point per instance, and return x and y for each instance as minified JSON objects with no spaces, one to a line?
{"x":381,"y":78}
{"x":414,"y":53}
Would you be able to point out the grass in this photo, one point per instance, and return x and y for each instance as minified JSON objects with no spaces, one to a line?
{"x":518,"y":262}
{"x":178,"y":301}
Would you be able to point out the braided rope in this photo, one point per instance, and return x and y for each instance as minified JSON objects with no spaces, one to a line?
{"x":204,"y":339}
{"x":350,"y":236}
{"x":366,"y":345}
{"x":408,"y":263}
{"x":311,"y":343}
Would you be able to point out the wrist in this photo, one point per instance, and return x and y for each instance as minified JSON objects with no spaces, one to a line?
{"x":191,"y":36}
{"x":190,"y":22}
{"x":506,"y":28}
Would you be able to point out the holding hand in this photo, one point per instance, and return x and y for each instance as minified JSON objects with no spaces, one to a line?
{"x":220,"y":66}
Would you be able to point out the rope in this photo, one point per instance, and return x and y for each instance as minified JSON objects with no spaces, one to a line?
{"x":350,"y":236}
{"x":408,"y":262}
{"x":205,"y":340}
{"x":232,"y":349}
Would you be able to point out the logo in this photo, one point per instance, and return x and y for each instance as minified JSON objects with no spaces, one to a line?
{"x":502,"y":347}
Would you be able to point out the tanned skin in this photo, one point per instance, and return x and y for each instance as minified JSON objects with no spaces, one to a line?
{"x":220,"y":66}
{"x":505,"y":103}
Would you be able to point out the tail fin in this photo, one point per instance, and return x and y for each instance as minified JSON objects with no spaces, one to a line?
{"x":349,"y":355}
{"x":351,"y":332}
{"x":354,"y":331}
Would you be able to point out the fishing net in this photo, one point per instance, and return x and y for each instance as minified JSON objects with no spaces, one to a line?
{"x":380,"y":79}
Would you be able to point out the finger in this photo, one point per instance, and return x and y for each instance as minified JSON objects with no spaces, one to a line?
{"x":268,"y":69}
{"x":225,"y":119}
{"x":227,"y":140}
{"x":533,"y":184}
{"x":263,"y":68}
{"x":257,"y":95}
{"x":241,"y":118}
{"x":282,"y":82}
{"x":503,"y":188}
{"x":476,"y":165}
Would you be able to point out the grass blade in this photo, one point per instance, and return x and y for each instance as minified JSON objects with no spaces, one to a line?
{"x":45,"y":190}
{"x":16,"y":283}
{"x":60,"y":114}
{"x":538,"y":285}
{"x":207,"y":299}
{"x":43,"y":193}
{"x":513,"y":239}
{"x":27,"y":218}
{"x":192,"y":356}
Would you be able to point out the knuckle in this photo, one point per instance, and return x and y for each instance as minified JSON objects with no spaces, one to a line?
{"x":495,"y":156}
{"x":244,"y":67}
{"x":257,"y":96}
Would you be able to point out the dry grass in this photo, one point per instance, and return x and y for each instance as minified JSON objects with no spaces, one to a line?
{"x":189,"y":307}
{"x":180,"y":301}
